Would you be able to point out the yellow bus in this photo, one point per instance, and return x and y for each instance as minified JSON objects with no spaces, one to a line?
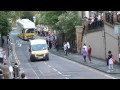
{"x":26,"y":29}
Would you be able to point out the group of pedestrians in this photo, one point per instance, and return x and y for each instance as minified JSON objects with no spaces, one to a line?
{"x":86,"y":52}
{"x":110,"y":59}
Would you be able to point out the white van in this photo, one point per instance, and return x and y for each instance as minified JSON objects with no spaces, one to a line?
{"x":38,"y":50}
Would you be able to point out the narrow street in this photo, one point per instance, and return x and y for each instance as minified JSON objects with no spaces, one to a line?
{"x":56,"y":68}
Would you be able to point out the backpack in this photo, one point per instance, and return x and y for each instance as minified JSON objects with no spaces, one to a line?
{"x":113,"y":58}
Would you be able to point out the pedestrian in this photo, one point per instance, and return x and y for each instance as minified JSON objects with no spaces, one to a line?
{"x":89,"y":53}
{"x":16,"y":71}
{"x":84,"y":46}
{"x":84,"y":53}
{"x":2,"y":41}
{"x":68,"y":44}
{"x":7,"y":38}
{"x":110,"y":61}
{"x":57,"y":45}
{"x":50,"y":45}
{"x":1,"y":55}
{"x":65,"y":48}
{"x":23,"y":76}
{"x":1,"y":73}
{"x":5,"y":69}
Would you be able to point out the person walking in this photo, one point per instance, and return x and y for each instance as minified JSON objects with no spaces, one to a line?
{"x":16,"y":71}
{"x":110,"y":61}
{"x":5,"y":69}
{"x":1,"y":55}
{"x":68,"y":44}
{"x":2,"y":41}
{"x":7,"y":38}
{"x":66,"y":48}
{"x":89,"y":53}
{"x":84,"y":46}
{"x":84,"y":53}
{"x":1,"y":73}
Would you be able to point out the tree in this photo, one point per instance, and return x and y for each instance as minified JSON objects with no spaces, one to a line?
{"x":27,"y":15}
{"x":68,"y":21}
{"x":5,"y":26}
{"x":49,"y":18}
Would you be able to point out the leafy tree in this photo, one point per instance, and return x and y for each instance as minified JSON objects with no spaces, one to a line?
{"x":68,"y":21}
{"x":28,"y":15}
{"x":5,"y":26}
{"x":49,"y":18}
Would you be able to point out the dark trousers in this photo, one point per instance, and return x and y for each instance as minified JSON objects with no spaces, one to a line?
{"x":84,"y":58}
{"x":1,"y":60}
{"x":66,"y":52}
{"x":89,"y":56}
{"x":107,"y":62}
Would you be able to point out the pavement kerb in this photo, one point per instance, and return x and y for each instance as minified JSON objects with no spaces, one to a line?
{"x":83,"y":63}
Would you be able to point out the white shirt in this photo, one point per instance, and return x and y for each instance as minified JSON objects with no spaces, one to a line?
{"x":68,"y":44}
{"x":110,"y":61}
{"x":85,"y":47}
{"x":65,"y":47}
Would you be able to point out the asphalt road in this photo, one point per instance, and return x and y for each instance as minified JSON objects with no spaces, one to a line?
{"x":56,"y":68}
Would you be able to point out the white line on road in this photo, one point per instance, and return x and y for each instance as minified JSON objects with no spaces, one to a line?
{"x":45,"y":62}
{"x":34,"y":71}
{"x":66,"y":75}
{"x":54,"y":69}
{"x":40,"y":71}
{"x":59,"y":72}
{"x":102,"y":73}
{"x":49,"y":66}
{"x":66,"y":78}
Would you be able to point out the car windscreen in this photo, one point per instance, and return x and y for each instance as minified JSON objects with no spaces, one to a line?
{"x":37,"y":47}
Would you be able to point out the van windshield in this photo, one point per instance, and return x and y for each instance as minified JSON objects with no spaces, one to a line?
{"x":37,"y":47}
{"x":30,"y":31}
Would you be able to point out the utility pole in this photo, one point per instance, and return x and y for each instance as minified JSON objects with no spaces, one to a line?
{"x":105,"y":43}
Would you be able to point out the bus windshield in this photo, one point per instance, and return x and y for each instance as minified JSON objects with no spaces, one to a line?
{"x":30,"y":31}
{"x":37,"y":47}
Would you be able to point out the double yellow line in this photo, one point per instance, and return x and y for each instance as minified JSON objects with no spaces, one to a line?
{"x":14,"y":53}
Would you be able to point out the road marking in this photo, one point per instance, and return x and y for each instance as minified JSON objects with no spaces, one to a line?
{"x":40,"y":71}
{"x":66,"y":75}
{"x":49,"y":66}
{"x":45,"y":62}
{"x":59,"y":72}
{"x":101,"y":73}
{"x":54,"y":69}
{"x":66,"y":78}
{"x":34,"y":71}
{"x":13,"y":46}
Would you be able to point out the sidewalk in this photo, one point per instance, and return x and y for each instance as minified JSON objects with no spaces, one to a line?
{"x":9,"y":59}
{"x":96,"y":63}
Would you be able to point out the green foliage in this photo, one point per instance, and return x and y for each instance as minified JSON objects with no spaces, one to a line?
{"x":27,"y":15}
{"x":68,"y":21}
{"x":61,"y":20}
{"x":5,"y":26}
{"x":49,"y":18}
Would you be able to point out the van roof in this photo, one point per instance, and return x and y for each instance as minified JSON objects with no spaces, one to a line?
{"x":38,"y":41}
